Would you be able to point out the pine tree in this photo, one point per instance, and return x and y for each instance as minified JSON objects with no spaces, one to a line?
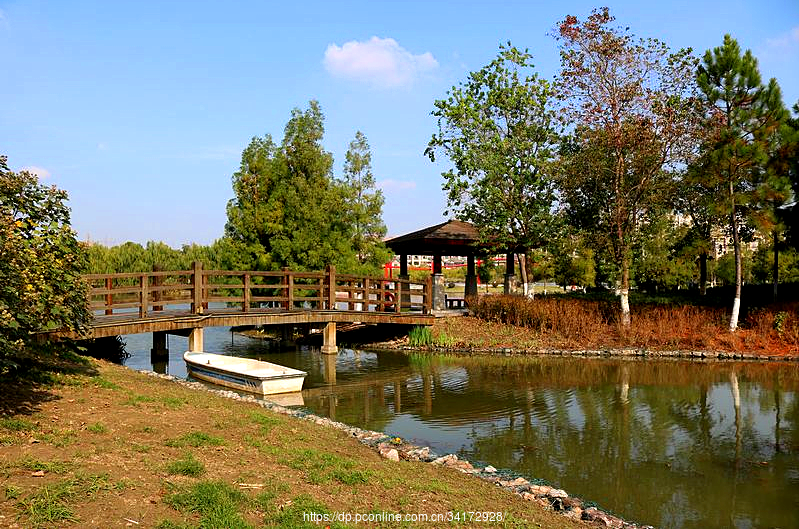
{"x":743,"y":117}
{"x":365,"y":206}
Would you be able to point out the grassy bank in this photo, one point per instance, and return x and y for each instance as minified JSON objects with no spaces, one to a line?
{"x":95,"y":444}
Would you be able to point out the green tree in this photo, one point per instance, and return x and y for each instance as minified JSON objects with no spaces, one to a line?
{"x":40,"y":284}
{"x":574,"y":262}
{"x":659,"y":265}
{"x":629,"y":103}
{"x":743,"y":117}
{"x":288,"y":210}
{"x":365,"y":209}
{"x":499,"y":131}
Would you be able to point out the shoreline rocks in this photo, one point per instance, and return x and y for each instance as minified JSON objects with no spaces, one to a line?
{"x":395,"y":449}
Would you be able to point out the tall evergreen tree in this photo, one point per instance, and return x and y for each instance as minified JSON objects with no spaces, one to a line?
{"x":743,"y":118}
{"x":289,"y":210}
{"x":365,"y":206}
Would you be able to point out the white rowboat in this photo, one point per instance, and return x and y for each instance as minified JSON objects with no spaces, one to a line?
{"x":244,"y":374}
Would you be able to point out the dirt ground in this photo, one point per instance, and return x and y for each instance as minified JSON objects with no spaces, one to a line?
{"x":104,"y":446}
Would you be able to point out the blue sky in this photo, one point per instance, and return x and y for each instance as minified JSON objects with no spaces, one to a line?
{"x":140,"y":110}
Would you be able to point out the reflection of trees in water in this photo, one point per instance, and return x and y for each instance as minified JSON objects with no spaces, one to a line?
{"x":659,"y":442}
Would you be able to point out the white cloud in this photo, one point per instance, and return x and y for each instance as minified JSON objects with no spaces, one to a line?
{"x":786,"y":40}
{"x":396,"y":185}
{"x":40,"y":172}
{"x":380,"y":62}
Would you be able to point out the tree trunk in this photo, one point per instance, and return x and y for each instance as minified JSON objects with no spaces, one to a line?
{"x":625,"y":292}
{"x":523,"y":270}
{"x":775,"y":271}
{"x":703,"y":272}
{"x":736,"y":304}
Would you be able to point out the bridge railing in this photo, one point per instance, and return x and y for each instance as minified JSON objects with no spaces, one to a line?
{"x":151,"y":293}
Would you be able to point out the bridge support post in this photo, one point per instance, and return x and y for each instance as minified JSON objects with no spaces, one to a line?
{"x":329,"y":339}
{"x":196,"y":340}
{"x":287,"y":336}
{"x":159,"y":349}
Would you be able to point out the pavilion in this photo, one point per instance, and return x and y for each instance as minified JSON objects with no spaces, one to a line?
{"x":451,"y":238}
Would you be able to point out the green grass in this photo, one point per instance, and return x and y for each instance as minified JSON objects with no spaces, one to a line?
{"x":321,"y":467}
{"x":97,"y":428}
{"x":12,"y":492}
{"x":50,"y":504}
{"x":138,"y":400}
{"x":55,"y":467}
{"x":216,"y":502}
{"x":100,"y":382}
{"x":196,"y":440}
{"x":291,"y":516}
{"x":60,"y":438}
{"x":140,"y":448}
{"x":17,"y":425}
{"x":420,"y":336}
{"x":187,"y":466}
{"x":173,"y":403}
{"x":266,"y":422}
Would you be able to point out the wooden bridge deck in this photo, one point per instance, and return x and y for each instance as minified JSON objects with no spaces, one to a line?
{"x":167,"y":301}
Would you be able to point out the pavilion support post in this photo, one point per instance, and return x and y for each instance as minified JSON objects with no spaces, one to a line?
{"x":405,"y":297}
{"x":159,"y":349}
{"x":471,"y":278}
{"x":510,"y":273}
{"x":329,"y":339}
{"x":196,"y":340}
{"x":439,"y":293}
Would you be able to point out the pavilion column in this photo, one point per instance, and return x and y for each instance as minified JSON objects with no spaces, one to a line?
{"x":405,"y":296}
{"x":471,"y":278}
{"x":439,"y":300}
{"x":510,"y":273}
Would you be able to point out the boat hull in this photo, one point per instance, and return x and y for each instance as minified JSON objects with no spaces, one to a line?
{"x":263,"y":378}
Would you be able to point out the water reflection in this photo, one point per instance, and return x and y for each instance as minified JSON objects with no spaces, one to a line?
{"x":673,"y":444}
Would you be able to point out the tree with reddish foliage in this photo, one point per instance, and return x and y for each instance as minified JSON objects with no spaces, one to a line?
{"x":631,"y":112}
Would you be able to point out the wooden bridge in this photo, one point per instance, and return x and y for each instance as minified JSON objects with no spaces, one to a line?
{"x":185,"y":301}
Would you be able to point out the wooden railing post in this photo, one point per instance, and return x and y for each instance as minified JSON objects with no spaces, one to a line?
{"x":197,"y":283}
{"x":290,"y":283}
{"x":157,"y":282}
{"x":247,"y":294}
{"x":397,"y":296}
{"x":331,"y":287}
{"x":109,"y":297}
{"x":144,"y":295}
{"x":285,"y":290}
{"x":366,"y":287}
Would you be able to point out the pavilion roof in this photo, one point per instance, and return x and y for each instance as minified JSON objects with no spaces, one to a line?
{"x":454,"y":237}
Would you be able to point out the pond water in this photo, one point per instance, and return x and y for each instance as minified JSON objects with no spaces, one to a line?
{"x":667,"y":443}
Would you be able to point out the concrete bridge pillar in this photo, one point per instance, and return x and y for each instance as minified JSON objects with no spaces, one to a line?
{"x":329,"y":339}
{"x":159,"y":349}
{"x":196,"y":340}
{"x":287,"y":336}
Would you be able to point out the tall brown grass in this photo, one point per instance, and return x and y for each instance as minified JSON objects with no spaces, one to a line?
{"x":564,"y":322}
